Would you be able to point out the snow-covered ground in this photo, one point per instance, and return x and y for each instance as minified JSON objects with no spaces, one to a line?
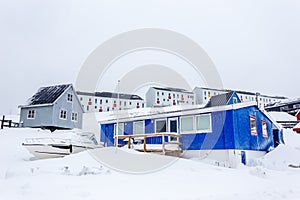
{"x":80,"y":176}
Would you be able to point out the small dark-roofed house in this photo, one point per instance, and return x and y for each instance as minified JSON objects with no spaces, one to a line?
{"x":52,"y":107}
{"x":223,"y":99}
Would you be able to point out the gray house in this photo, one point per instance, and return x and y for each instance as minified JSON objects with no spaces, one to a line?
{"x":53,"y":107}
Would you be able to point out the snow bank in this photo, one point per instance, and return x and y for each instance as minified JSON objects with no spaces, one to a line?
{"x":284,"y":157}
{"x":84,"y":176}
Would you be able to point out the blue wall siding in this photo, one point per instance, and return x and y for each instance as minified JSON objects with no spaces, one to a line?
{"x":149,"y":126}
{"x":214,"y":140}
{"x":231,"y":99}
{"x":102,"y":133}
{"x":244,"y":139}
{"x":128,"y":128}
{"x":108,"y":136}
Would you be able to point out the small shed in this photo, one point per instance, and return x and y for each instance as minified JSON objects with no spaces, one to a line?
{"x":52,"y":107}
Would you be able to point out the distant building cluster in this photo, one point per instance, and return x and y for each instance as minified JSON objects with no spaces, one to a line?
{"x":290,"y":106}
{"x":158,"y":97}
{"x":108,"y":101}
{"x":204,"y":94}
{"x":61,"y":107}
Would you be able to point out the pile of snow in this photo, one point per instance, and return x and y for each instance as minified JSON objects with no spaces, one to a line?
{"x":284,"y":157}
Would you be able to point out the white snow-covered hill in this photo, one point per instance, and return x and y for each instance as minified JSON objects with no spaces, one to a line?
{"x":81,"y":176}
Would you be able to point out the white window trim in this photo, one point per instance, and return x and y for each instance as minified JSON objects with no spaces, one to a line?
{"x":60,"y":114}
{"x":207,"y":130}
{"x":115,"y":129}
{"x":33,"y":115}
{"x":76,"y":119}
{"x":158,"y":120}
{"x":262,"y":129}
{"x":143,"y":127}
{"x":71,"y":97}
{"x":253,"y":133}
{"x":187,"y":132}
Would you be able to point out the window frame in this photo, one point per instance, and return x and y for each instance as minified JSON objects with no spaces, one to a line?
{"x":74,"y":117}
{"x":159,"y":120}
{"x":264,"y":134}
{"x":135,"y":122}
{"x":70,"y":97}
{"x":31,"y":114}
{"x":193,"y":120}
{"x":115,"y":128}
{"x":66,"y":114}
{"x":210,"y":123}
{"x":252,"y":132}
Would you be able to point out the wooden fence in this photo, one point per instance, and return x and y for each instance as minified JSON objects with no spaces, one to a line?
{"x":8,"y":123}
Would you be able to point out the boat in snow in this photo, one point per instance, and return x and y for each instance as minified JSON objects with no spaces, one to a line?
{"x":59,"y":147}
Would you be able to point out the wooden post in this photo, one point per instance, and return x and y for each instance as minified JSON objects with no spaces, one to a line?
{"x":2,"y":122}
{"x":9,"y":123}
{"x":129,"y":142}
{"x":145,"y":143}
{"x":163,"y":143}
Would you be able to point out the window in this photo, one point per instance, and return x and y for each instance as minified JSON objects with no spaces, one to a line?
{"x":187,"y":124}
{"x":130,"y":103}
{"x":157,"y":93}
{"x":69,"y":97}
{"x":161,"y":126}
{"x":125,"y":103}
{"x":81,"y":98}
{"x":31,"y":114}
{"x":138,"y":127}
{"x":107,"y":109}
{"x":234,"y":100}
{"x":87,"y":108}
{"x":296,"y":106}
{"x":95,"y":100}
{"x":120,"y":103}
{"x":162,"y":93}
{"x":63,"y":114}
{"x":100,"y":101}
{"x":106,"y":101}
{"x":74,"y":116}
{"x":95,"y":107}
{"x":90,"y":99}
{"x":264,"y":128}
{"x":253,"y":125}
{"x":203,"y":123}
{"x":121,"y":129}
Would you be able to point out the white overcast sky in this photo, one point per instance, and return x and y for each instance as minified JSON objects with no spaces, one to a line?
{"x":254,"y":44}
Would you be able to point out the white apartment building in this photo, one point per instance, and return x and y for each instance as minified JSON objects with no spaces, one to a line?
{"x":202,"y":96}
{"x":108,"y":101}
{"x":158,"y":97}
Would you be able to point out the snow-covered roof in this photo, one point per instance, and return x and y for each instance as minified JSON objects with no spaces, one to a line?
{"x":147,"y":113}
{"x":282,"y":116}
{"x":297,"y":126}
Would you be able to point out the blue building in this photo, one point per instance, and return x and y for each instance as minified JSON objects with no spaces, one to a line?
{"x":53,"y":107}
{"x":225,"y":130}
